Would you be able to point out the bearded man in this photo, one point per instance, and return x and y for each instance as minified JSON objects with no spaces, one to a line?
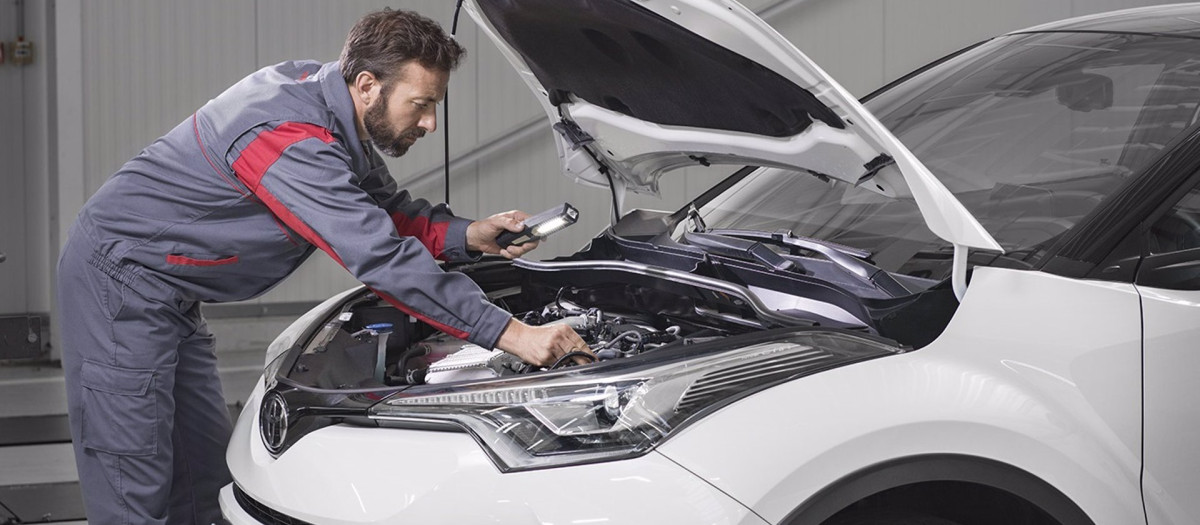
{"x":224,"y":207}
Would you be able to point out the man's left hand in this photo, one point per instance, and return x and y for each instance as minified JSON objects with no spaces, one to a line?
{"x":481,"y":234}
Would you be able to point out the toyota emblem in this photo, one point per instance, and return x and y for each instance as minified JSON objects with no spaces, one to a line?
{"x":273,"y":422}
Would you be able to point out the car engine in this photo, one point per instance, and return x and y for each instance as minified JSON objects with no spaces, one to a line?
{"x":351,"y":351}
{"x":445,"y":359}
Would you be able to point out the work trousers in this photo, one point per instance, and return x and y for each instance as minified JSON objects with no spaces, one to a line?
{"x":148,"y":418}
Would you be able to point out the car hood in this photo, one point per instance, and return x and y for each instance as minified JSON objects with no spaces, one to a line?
{"x":636,"y":88}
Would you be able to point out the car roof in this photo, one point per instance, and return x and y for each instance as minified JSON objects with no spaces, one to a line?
{"x":1182,"y":20}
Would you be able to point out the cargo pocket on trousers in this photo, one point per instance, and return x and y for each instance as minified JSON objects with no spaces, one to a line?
{"x":120,"y":410}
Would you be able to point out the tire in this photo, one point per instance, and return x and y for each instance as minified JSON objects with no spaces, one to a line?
{"x":886,"y":517}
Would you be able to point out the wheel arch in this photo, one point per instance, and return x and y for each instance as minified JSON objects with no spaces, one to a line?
{"x":901,"y":472}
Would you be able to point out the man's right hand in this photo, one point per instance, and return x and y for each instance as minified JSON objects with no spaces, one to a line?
{"x":542,"y":345}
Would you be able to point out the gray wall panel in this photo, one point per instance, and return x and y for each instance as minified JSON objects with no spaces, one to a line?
{"x":845,"y":37}
{"x":504,"y":99}
{"x":24,"y":221}
{"x":148,"y":65}
{"x":38,"y":250}
{"x":13,"y":176}
{"x":305,"y":29}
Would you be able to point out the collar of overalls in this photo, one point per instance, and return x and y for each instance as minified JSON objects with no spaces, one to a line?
{"x":337,"y":97}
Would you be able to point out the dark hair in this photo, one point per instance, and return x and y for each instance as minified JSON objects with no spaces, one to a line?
{"x":383,"y":41}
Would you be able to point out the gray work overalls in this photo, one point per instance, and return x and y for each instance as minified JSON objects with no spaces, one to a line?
{"x":221,"y":209}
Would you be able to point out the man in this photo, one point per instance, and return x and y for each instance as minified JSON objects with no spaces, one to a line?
{"x":225,"y":206}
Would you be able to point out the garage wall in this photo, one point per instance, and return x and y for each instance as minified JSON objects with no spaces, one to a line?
{"x":142,"y":66}
{"x":12,"y":170}
{"x":24,"y":170}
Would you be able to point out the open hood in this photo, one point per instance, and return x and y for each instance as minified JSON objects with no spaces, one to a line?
{"x":635,"y":88}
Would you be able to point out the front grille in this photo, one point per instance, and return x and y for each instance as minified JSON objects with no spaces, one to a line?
{"x":732,"y":380}
{"x":263,"y":513}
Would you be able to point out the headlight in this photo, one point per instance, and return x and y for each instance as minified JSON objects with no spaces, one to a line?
{"x":271,"y":371}
{"x":618,"y":410}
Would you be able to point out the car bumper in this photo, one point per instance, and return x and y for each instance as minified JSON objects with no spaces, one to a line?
{"x":345,"y":474}
{"x":234,"y":512}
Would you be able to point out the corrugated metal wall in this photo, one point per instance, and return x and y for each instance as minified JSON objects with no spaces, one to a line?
{"x":12,"y":172}
{"x":149,"y":63}
{"x":24,"y":139}
{"x":13,"y":208}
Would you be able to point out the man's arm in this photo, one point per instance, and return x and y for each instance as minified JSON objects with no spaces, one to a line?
{"x":447,"y":237}
{"x":303,"y":176}
{"x":443,"y":234}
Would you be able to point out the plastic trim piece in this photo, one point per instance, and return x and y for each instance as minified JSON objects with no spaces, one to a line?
{"x":936,"y":467}
{"x":261,"y":512}
{"x":676,"y":276}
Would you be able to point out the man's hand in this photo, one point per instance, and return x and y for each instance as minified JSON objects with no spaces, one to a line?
{"x":481,"y":234}
{"x":542,"y":345}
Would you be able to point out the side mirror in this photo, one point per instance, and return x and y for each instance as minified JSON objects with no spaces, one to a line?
{"x":1085,"y":92}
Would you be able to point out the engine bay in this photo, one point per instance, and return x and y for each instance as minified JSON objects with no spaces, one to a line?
{"x":623,"y":295}
{"x":443,"y":359}
{"x":369,"y":344}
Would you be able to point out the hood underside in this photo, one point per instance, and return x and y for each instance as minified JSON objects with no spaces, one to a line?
{"x":625,"y":58}
{"x":638,"y":88}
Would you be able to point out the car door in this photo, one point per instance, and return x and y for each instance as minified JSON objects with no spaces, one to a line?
{"x":1168,"y":280}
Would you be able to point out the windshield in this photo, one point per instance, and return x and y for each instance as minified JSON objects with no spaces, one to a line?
{"x":1031,"y":132}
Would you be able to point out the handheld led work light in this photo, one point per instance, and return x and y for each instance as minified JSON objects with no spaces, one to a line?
{"x":540,"y":226}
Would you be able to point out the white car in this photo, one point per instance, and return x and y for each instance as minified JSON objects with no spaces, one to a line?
{"x":993,"y":322}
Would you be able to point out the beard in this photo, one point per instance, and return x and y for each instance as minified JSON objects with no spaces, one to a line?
{"x":388,"y":139}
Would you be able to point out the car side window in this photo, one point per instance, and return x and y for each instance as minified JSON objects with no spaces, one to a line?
{"x":1178,"y":229}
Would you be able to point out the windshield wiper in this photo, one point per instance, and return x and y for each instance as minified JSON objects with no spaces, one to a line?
{"x":742,"y":249}
{"x":850,"y":260}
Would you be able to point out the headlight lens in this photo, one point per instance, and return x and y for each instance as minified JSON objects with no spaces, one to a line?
{"x":607,"y":413}
{"x":271,"y":371}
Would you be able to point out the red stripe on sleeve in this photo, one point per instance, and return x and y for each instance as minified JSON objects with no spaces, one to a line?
{"x":432,"y":235}
{"x":263,"y":152}
{"x":258,"y":157}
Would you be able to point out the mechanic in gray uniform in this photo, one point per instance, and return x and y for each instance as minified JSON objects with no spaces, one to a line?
{"x":224,"y":207}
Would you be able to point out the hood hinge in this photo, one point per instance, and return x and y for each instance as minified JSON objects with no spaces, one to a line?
{"x":882,"y":161}
{"x":578,"y":138}
{"x":573,"y":133}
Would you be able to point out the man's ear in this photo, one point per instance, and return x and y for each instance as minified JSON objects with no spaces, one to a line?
{"x":366,"y":83}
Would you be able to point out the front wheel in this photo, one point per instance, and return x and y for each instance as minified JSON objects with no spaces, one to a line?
{"x":886,"y":517}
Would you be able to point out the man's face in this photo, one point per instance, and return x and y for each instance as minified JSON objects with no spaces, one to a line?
{"x":406,"y":109}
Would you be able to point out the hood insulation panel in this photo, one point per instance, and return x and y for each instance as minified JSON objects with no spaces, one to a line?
{"x":625,"y":58}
